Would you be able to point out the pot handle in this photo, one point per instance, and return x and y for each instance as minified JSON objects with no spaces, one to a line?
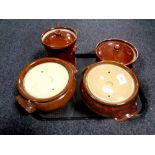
{"x":26,"y":104}
{"x":122,"y":115}
{"x":133,"y":112}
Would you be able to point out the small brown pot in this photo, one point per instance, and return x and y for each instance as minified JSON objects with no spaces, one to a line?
{"x":117,"y":50}
{"x":96,"y":84}
{"x":31,"y":103}
{"x":60,"y":42}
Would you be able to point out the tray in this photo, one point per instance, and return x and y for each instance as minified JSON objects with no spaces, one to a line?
{"x":76,"y":109}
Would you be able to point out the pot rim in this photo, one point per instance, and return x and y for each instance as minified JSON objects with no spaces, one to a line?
{"x":58,"y":27}
{"x":121,"y":40}
{"x":133,"y":95}
{"x":69,"y":67}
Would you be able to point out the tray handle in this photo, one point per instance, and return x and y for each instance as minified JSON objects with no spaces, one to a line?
{"x":142,"y":111}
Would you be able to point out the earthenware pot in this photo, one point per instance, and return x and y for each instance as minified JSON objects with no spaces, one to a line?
{"x":117,"y":50}
{"x":110,"y":89}
{"x":59,"y":42}
{"x":46,"y":84}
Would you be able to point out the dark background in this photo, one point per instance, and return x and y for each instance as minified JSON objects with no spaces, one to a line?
{"x":20,"y":45}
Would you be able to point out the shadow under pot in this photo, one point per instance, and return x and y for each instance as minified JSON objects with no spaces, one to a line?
{"x":117,"y":50}
{"x":110,"y":89}
{"x":59,"y":42}
{"x":46,"y":84}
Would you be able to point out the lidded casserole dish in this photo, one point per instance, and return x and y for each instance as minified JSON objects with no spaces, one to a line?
{"x":110,"y":89}
{"x":46,"y":84}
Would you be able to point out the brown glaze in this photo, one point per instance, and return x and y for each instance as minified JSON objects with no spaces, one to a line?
{"x":117,"y":50}
{"x":59,"y":38}
{"x":59,"y":42}
{"x":118,"y":112}
{"x":32,"y":104}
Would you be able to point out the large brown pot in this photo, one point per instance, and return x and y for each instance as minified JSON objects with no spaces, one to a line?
{"x":32,"y":103}
{"x":110,"y":89}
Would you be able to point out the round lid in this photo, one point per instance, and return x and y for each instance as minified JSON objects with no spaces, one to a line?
{"x":117,"y":50}
{"x":58,"y":38}
{"x":45,"y":80}
{"x":109,"y":83}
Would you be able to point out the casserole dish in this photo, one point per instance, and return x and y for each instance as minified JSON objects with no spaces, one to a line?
{"x":110,"y":89}
{"x":46,"y":84}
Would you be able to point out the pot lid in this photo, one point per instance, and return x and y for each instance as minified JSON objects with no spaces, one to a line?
{"x":110,"y":83}
{"x":46,"y":80}
{"x":117,"y":50}
{"x":58,"y":38}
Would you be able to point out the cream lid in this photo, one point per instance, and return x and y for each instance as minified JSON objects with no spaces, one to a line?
{"x":110,"y":83}
{"x":46,"y":80}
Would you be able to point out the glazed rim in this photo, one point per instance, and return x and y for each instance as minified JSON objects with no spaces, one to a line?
{"x":123,"y":41}
{"x":133,"y":95}
{"x":69,"y":67}
{"x":59,"y":27}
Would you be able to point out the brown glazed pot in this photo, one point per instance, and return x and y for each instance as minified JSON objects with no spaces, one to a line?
{"x":59,"y":42}
{"x":32,"y":104}
{"x":120,"y":112}
{"x":116,"y":50}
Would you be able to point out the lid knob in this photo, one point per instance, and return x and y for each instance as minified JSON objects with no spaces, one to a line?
{"x":57,"y":33}
{"x":117,"y":47}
